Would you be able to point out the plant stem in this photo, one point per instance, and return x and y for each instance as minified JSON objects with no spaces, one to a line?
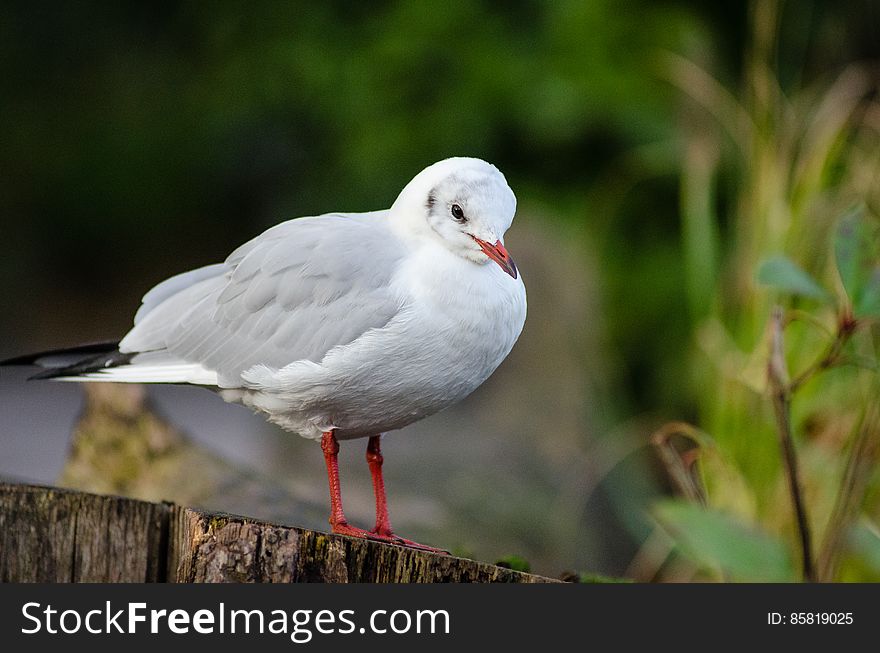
{"x":782,"y":405}
{"x":831,"y":356}
{"x":781,"y":393}
{"x":680,"y":469}
{"x":860,"y":464}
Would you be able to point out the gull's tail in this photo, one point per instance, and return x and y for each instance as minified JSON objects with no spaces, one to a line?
{"x":103,"y":361}
{"x":73,"y":362}
{"x":147,"y":360}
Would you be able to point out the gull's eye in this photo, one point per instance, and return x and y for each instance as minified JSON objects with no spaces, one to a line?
{"x":458,"y":214}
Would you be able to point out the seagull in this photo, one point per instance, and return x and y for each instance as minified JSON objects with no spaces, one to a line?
{"x":338,"y":326}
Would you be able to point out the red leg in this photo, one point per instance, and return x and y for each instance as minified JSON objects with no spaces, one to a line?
{"x":383,"y":523}
{"x":338,"y":523}
{"x":375,"y":460}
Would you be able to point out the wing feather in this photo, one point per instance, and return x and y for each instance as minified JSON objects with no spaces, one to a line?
{"x":290,"y":294}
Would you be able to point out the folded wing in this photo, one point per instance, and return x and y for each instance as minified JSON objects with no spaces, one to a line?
{"x":292,"y":293}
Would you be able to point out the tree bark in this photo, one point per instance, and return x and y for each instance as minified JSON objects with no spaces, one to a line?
{"x":54,"y":535}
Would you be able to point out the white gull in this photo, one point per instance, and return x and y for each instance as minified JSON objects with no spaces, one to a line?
{"x":343,"y":325}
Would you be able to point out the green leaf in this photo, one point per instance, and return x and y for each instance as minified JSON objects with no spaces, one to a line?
{"x":863,"y":363}
{"x":868,"y":304}
{"x":589,"y":578}
{"x":855,"y":251}
{"x":864,"y":539}
{"x":784,"y":274}
{"x":517,"y":563}
{"x":713,"y":539}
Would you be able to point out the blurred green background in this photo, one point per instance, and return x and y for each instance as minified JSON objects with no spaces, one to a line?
{"x":659,"y":152}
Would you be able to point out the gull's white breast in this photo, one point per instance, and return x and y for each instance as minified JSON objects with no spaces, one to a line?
{"x":457,"y":322}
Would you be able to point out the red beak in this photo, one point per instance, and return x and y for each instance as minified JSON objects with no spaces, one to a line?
{"x":498,"y":254}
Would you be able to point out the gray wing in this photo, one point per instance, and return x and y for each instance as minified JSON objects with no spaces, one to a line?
{"x":292,"y":293}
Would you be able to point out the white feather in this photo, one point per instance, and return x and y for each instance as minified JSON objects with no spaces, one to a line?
{"x":181,"y":373}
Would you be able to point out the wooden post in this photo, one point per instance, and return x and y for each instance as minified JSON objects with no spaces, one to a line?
{"x":53,"y":535}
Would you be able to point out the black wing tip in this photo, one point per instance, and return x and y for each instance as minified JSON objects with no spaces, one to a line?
{"x":45,"y":375}
{"x":94,"y":348}
{"x":86,"y":358}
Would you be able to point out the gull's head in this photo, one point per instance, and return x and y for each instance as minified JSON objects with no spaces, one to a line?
{"x":466,"y":204}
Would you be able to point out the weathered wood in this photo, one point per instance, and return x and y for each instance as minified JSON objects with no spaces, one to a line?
{"x":224,"y":548}
{"x":53,"y":535}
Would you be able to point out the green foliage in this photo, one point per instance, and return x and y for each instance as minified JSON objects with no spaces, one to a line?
{"x":784,"y":274}
{"x":868,"y":304}
{"x":792,"y":164}
{"x":713,"y":540}
{"x":588,"y":578}
{"x":865,"y":540}
{"x":857,"y":254}
{"x":716,"y":541}
{"x":515,"y":562}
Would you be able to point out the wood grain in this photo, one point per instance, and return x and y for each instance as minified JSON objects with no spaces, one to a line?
{"x":53,"y":535}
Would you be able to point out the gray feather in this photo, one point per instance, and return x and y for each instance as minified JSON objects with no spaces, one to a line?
{"x":291,"y":294}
